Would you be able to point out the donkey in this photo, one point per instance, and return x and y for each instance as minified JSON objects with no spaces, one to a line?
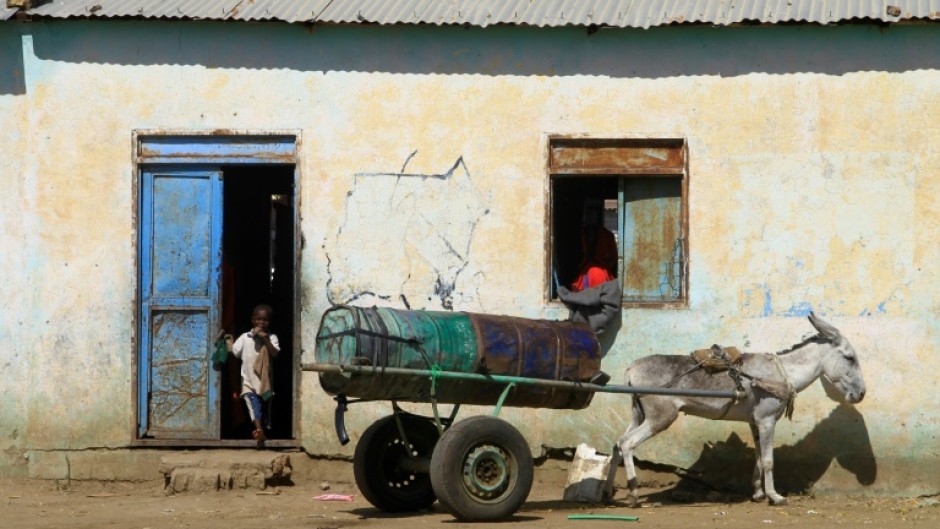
{"x":827,"y":354}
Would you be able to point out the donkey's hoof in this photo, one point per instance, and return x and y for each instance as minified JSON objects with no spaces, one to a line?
{"x":778,"y":502}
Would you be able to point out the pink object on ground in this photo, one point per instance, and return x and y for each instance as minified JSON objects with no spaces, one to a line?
{"x":334,"y":497}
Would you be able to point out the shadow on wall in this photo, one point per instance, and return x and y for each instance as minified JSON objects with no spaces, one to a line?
{"x":842,"y":436}
{"x":11,"y":61}
{"x":494,"y":51}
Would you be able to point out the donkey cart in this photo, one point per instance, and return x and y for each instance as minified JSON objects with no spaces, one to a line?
{"x":479,"y":468}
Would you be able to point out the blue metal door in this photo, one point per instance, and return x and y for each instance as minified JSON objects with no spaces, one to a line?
{"x":180,"y":274}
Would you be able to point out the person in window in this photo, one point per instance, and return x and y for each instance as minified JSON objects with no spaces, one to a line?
{"x":595,"y":297}
{"x":599,"y":258}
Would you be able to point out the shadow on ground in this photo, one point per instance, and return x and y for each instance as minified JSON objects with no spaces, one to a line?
{"x":723,"y":470}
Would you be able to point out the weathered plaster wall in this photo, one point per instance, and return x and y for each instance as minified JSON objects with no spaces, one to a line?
{"x":14,"y":333}
{"x":813,"y":185}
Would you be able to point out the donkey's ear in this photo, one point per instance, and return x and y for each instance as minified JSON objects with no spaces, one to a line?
{"x":824,"y":328}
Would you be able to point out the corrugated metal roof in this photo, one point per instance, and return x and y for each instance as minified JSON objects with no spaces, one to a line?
{"x":542,"y":13}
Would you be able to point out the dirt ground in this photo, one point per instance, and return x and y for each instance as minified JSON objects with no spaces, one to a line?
{"x":26,"y":504}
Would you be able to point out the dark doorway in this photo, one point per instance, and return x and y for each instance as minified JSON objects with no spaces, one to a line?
{"x":258,"y":267}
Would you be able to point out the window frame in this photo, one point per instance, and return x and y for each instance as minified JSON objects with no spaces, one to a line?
{"x":680,"y":169}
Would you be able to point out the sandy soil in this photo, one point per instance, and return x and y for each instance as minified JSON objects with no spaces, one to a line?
{"x":28,"y":504}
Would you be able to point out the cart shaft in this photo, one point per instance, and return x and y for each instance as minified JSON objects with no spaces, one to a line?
{"x":508,"y":379}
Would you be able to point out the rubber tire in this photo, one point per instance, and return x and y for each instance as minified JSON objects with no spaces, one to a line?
{"x":451,"y":455}
{"x":375,"y":464}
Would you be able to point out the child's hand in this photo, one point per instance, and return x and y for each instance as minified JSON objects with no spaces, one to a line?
{"x":259,"y":332}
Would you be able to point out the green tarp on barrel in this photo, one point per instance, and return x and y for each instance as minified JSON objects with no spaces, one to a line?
{"x":455,"y":341}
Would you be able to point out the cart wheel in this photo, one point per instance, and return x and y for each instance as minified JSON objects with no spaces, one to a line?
{"x":481,"y":469}
{"x":377,"y":464}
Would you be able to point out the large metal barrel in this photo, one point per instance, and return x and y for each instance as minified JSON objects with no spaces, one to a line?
{"x":455,"y":341}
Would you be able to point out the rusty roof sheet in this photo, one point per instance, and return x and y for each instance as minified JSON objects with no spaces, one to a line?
{"x":183,"y":9}
{"x":541,"y":13}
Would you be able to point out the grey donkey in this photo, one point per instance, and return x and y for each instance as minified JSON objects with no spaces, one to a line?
{"x":770,"y":382}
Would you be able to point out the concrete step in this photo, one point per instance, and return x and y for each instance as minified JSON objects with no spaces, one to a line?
{"x":213,"y":470}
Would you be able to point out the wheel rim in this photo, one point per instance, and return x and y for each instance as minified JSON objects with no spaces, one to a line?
{"x":489,"y":472}
{"x":379,"y":464}
{"x":392,"y":472}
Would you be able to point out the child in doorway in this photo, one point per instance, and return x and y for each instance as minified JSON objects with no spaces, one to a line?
{"x":256,"y":348}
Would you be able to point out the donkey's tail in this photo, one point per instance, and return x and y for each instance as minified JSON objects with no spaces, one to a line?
{"x":638,"y":415}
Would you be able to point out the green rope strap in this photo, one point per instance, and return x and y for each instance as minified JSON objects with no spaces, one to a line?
{"x":435,"y":374}
{"x":502,"y":399}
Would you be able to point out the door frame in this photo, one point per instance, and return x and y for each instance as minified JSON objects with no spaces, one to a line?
{"x":186,"y":147}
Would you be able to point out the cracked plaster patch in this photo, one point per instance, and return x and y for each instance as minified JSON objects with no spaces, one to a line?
{"x":405,"y":240}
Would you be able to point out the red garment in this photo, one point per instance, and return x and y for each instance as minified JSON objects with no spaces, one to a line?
{"x":595,"y":275}
{"x":599,"y":262}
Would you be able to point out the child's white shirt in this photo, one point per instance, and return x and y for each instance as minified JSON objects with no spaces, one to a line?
{"x":245,"y":350}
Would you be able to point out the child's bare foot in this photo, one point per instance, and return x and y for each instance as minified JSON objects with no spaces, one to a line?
{"x":258,"y":435}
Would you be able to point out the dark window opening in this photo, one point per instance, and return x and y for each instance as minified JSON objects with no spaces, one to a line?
{"x":579,"y":201}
